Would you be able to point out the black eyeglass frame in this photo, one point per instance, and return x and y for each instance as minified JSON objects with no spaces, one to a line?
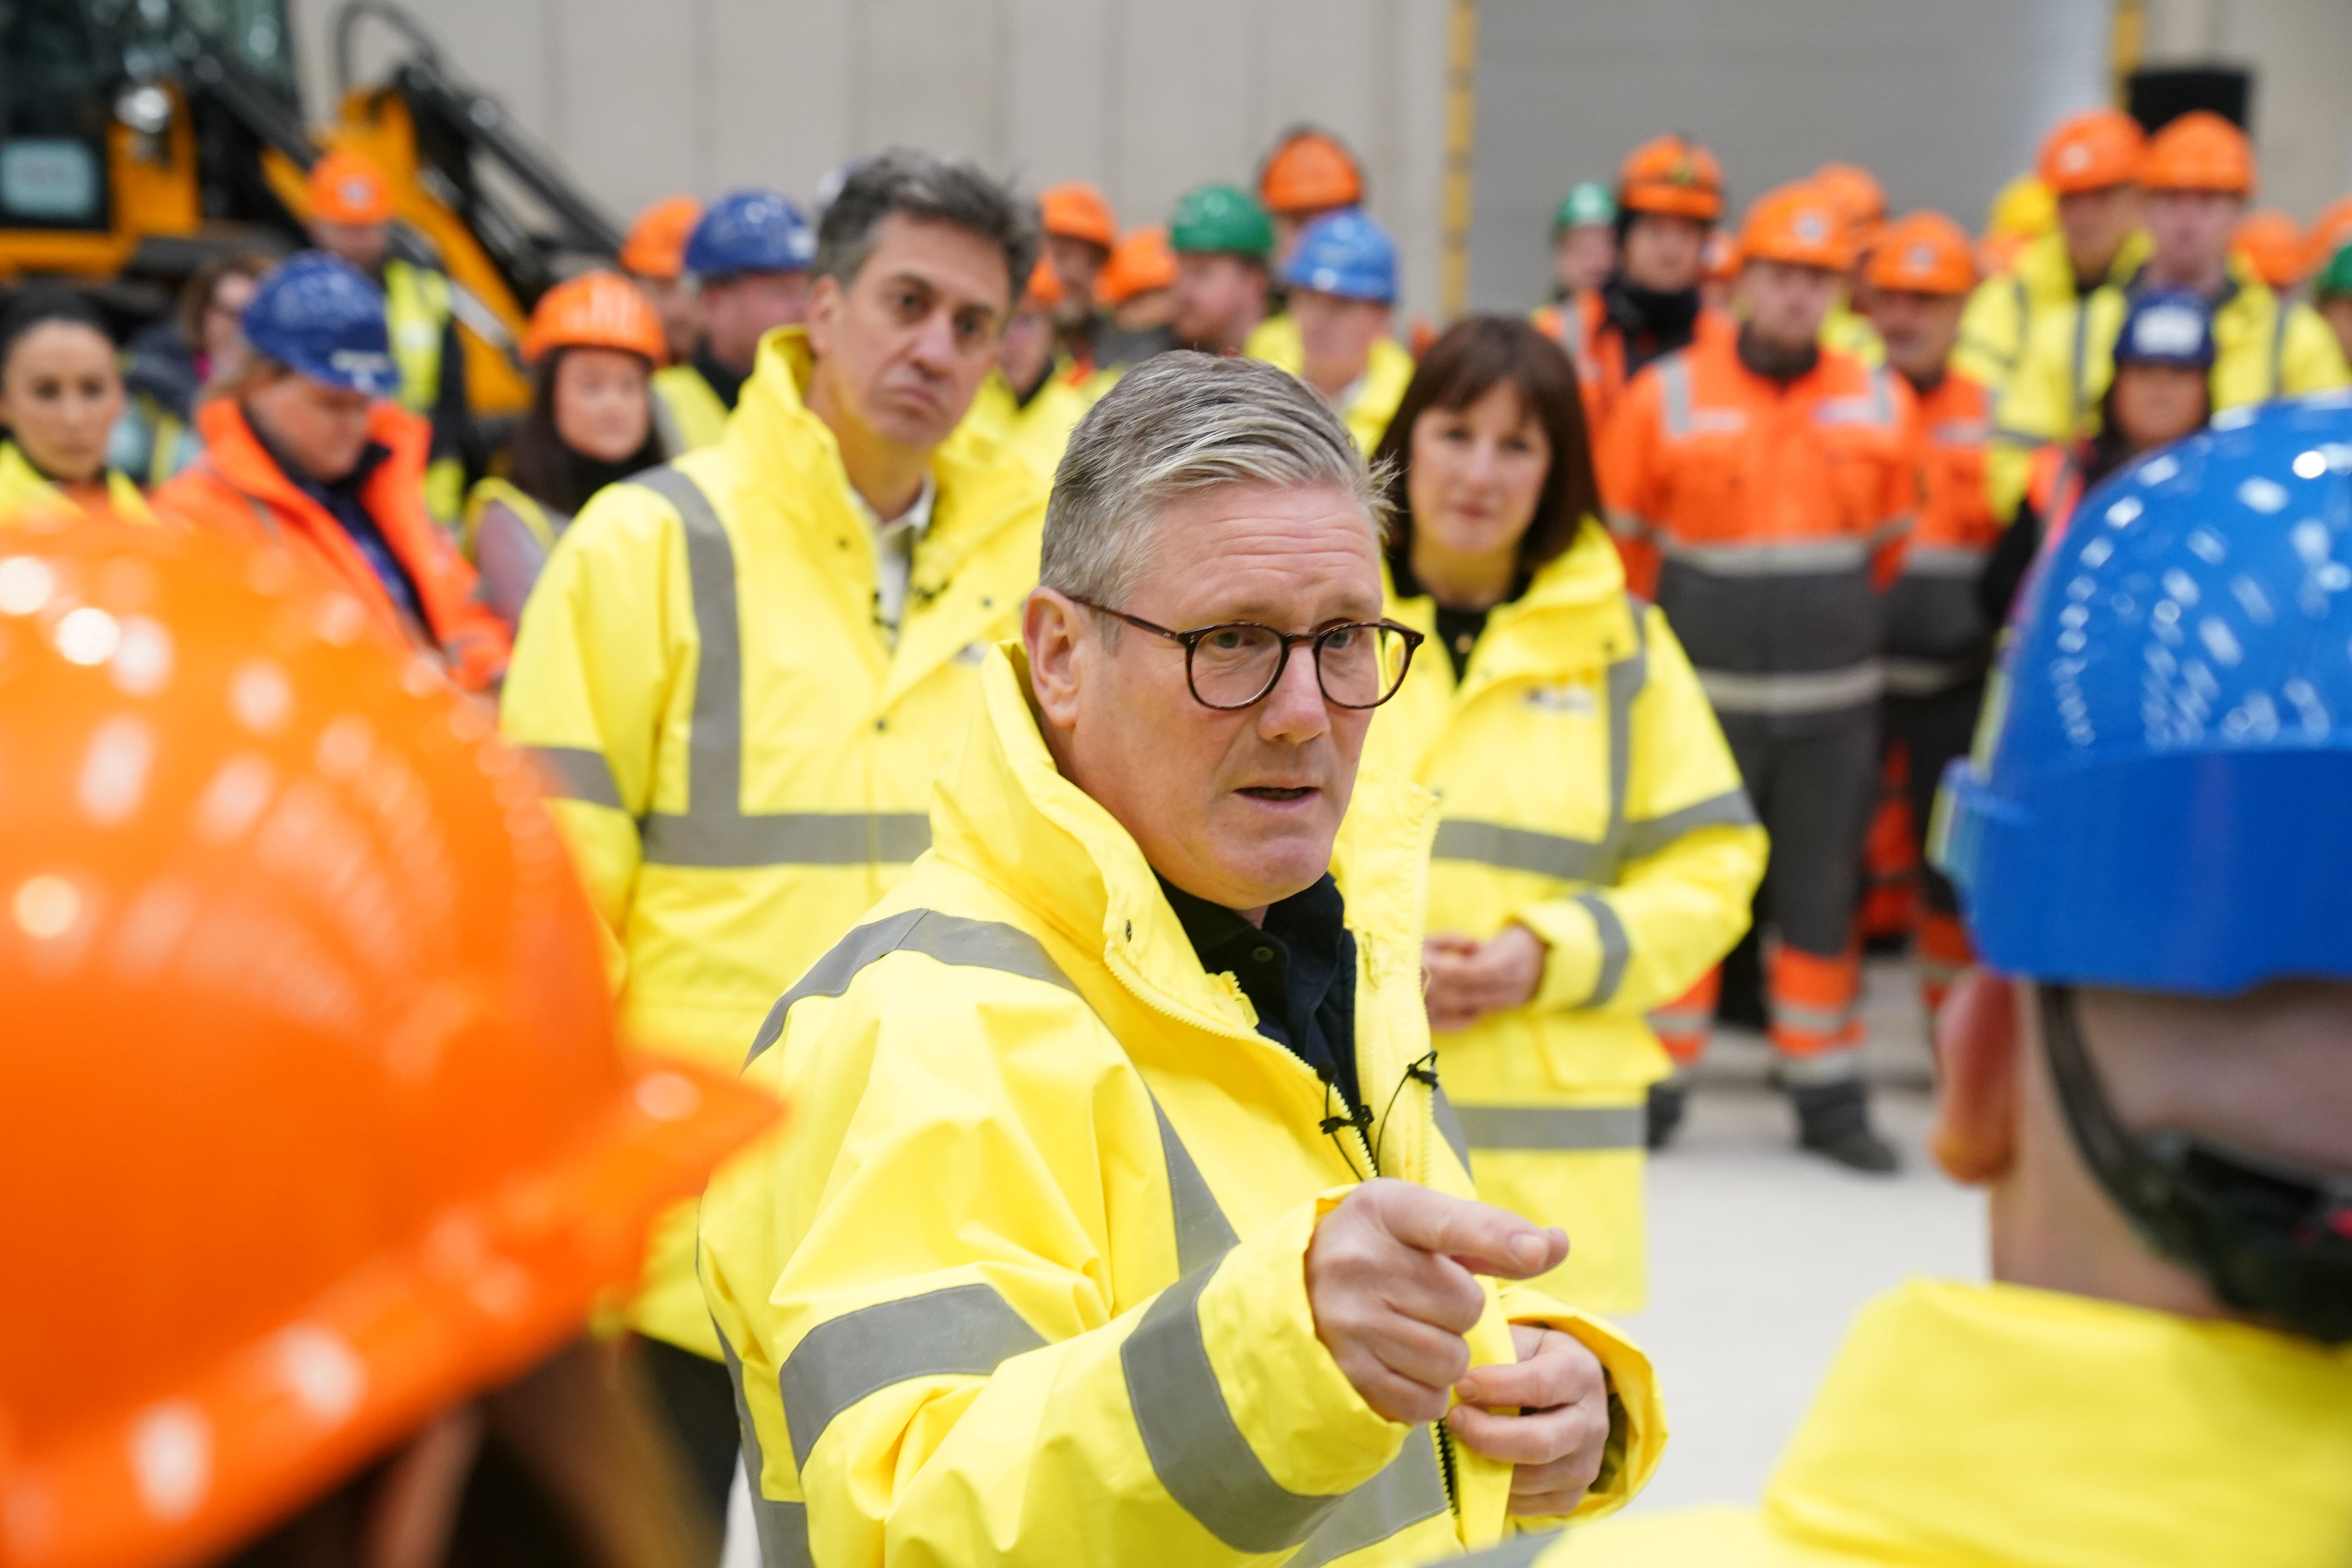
{"x":1289,"y":641}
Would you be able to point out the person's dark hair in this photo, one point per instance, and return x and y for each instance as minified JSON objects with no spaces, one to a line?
{"x":196,"y":294}
{"x":544,"y":469}
{"x":924,"y":185}
{"x":1474,"y":357}
{"x":38,"y":307}
{"x":2110,"y":449}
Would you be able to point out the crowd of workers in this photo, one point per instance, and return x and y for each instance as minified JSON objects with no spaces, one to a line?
{"x":909,"y":641}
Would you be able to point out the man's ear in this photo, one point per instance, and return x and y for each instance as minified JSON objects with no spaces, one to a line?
{"x":1975,"y":1135}
{"x":826,"y":302}
{"x":1049,"y":631}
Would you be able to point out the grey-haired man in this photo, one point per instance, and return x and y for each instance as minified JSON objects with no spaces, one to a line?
{"x":1123,"y":1220}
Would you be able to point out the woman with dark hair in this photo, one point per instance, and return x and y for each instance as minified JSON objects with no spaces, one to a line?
{"x":594,"y":345}
{"x":170,"y":361}
{"x":1595,"y":854}
{"x":61,"y":394}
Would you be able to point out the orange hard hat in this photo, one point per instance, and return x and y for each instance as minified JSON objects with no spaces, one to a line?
{"x":595,"y":310}
{"x":2275,"y":246}
{"x":657,"y":243}
{"x":1923,"y":253}
{"x":1856,"y":192}
{"x":2092,"y":151}
{"x":1673,"y":175}
{"x":1140,"y":262}
{"x":1798,"y":224}
{"x":1310,"y":172}
{"x":1044,"y":291}
{"x":2331,"y":231}
{"x":2200,"y":152}
{"x":345,"y":187}
{"x":310,"y":1069}
{"x":1079,"y":211}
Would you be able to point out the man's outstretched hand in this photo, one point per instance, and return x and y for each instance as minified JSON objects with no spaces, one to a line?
{"x":1391,"y":1278}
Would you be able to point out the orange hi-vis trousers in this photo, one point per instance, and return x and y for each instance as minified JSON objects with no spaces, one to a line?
{"x":1816,"y":1027}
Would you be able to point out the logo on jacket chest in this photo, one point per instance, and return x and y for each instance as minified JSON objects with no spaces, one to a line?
{"x":1576,"y":700}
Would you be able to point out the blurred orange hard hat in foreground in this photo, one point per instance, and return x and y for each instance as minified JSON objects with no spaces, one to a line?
{"x":317,"y":1123}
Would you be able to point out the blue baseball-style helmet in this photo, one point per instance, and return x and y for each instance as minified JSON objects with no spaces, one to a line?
{"x":323,"y":318}
{"x":750,"y":231}
{"x":2159,"y":800}
{"x":1345,"y":253}
{"x":2168,"y":326}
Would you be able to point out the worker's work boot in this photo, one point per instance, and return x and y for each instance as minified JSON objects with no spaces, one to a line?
{"x":1668,"y":1100}
{"x":1834,"y":1120}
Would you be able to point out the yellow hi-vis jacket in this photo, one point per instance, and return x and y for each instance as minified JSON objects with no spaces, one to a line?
{"x":2001,"y":314}
{"x":1372,"y":402}
{"x":742,"y":761}
{"x":688,"y":412}
{"x":1038,"y":431}
{"x":1998,"y":1427}
{"x":1588,"y":795}
{"x":2263,"y":347}
{"x":26,"y":494}
{"x":1026,"y":1284}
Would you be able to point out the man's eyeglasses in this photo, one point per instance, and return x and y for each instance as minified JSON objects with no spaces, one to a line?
{"x":1232,"y":664}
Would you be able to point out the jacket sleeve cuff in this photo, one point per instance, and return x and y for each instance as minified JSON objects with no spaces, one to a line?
{"x":1572,"y":966}
{"x":1637,"y":1414}
{"x":1297,"y":1411}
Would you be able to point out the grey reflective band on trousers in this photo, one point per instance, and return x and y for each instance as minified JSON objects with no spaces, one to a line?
{"x":964,"y":1331}
{"x":1201,"y":1457}
{"x":1554,"y":1127}
{"x":948,"y":939}
{"x":1809,"y":691}
{"x":1930,"y":677}
{"x":782,"y":1527}
{"x":715,"y":831}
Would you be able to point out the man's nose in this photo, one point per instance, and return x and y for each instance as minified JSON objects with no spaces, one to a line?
{"x":1295,"y":711}
{"x":935,"y":345}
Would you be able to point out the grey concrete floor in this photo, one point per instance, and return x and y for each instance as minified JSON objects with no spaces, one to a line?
{"x":1759,"y":1254}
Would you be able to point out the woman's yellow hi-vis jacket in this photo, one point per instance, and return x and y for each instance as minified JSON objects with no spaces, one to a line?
{"x":740,"y":756}
{"x":1026,"y":1282}
{"x":1586,"y":791}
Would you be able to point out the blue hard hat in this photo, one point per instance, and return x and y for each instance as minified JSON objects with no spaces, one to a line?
{"x":2168,"y":326}
{"x":1345,"y":253}
{"x":323,"y":318}
{"x":750,"y":231}
{"x":2157,"y":801}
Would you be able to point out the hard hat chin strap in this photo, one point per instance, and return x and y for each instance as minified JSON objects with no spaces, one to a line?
{"x":2267,"y":1238}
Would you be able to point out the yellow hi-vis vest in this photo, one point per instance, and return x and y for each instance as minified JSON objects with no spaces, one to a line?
{"x":1025,"y":1282}
{"x":1588,"y":795}
{"x":742,"y":762}
{"x":1374,"y":401}
{"x":688,"y":412}
{"x":1038,"y":431}
{"x":26,"y":494}
{"x":2005,"y":1427}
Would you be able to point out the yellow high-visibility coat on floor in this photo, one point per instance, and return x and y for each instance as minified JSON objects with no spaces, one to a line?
{"x":2003,"y":1427}
{"x":2263,"y":347}
{"x":743,"y":761}
{"x":1025,"y":1283}
{"x":26,"y":494}
{"x":688,"y":412}
{"x":1588,"y":795}
{"x":1371,"y":403}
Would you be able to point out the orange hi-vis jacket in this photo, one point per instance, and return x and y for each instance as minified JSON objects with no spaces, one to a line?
{"x":1768,"y":517}
{"x":1936,"y":637}
{"x":1597,"y":346}
{"x":239,"y":488}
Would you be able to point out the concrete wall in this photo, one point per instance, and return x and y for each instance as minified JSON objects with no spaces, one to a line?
{"x":1143,"y":97}
{"x":1944,"y":101}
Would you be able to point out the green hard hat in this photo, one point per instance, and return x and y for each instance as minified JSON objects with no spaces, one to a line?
{"x":1588,"y":206}
{"x":1221,"y":220}
{"x":2335,"y":278}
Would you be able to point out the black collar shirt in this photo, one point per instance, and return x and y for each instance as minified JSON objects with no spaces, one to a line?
{"x":1299,"y":971}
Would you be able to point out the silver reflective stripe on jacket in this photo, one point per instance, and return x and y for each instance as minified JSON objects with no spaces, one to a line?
{"x":1952,"y":561}
{"x":1791,"y":558}
{"x":1929,"y":677}
{"x":1812,"y":691}
{"x":715,"y":831}
{"x":782,"y":1527}
{"x":1553,"y":1127}
{"x":576,"y":773}
{"x":1874,"y":406}
{"x":1203,"y":1460}
{"x":950,"y":938}
{"x":964,"y":1331}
